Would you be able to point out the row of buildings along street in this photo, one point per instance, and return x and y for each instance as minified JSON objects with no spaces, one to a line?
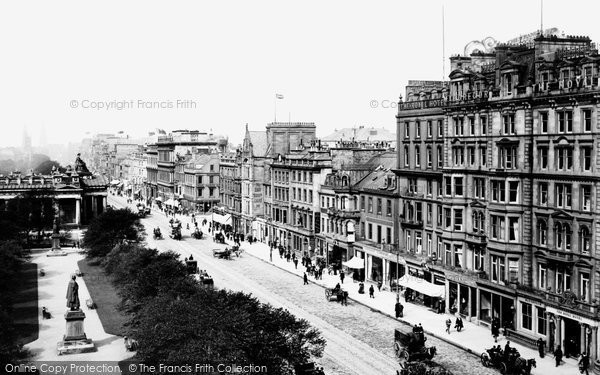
{"x":489,"y":187}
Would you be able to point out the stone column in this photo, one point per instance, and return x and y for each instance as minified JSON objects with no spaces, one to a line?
{"x":94,"y":206}
{"x":103,"y":204}
{"x":548,"y":318}
{"x":458,"y":300}
{"x":559,"y":333}
{"x":447,"y":307}
{"x":477,"y":302}
{"x":77,"y":211}
{"x":583,"y":338}
{"x":469,"y":302}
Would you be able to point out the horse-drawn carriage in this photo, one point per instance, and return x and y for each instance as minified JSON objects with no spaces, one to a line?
{"x":197,"y":234}
{"x":175,"y":230}
{"x":226,"y":253}
{"x":219,"y":237}
{"x":411,"y":346}
{"x":512,"y":363}
{"x":201,"y":276}
{"x":335,"y":294}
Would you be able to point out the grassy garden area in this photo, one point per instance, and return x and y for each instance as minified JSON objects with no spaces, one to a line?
{"x":26,"y":311}
{"x":105,"y":297}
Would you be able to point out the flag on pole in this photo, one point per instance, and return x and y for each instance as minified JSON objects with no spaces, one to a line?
{"x":279,"y":96}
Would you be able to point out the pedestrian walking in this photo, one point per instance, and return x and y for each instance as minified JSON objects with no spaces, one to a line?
{"x":507,"y":349}
{"x":379,"y":285}
{"x":371,"y":292}
{"x":342,"y":276}
{"x":305,"y":279}
{"x":584,"y":363}
{"x":495,"y":329}
{"x":296,"y":263}
{"x":448,"y":324}
{"x":458,"y":324}
{"x":399,"y":310}
{"x":271,"y":255}
{"x":558,"y":354}
{"x":540,"y":345}
{"x":344,"y":298}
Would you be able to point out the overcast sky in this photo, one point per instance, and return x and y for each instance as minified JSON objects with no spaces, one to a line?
{"x":329,"y":59}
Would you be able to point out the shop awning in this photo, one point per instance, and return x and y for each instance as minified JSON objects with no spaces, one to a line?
{"x":171,"y":202}
{"x":222,"y":219}
{"x":422,"y":286}
{"x":355,"y":263}
{"x":115,"y":182}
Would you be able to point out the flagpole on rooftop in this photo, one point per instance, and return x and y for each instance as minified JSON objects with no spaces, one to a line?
{"x":275,"y":103}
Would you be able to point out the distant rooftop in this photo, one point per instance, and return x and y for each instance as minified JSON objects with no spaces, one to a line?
{"x":361,"y":134}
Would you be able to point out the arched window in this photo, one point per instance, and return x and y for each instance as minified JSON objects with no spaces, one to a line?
{"x":558,"y":235}
{"x":585,"y":239}
{"x":345,"y":181}
{"x":542,"y":232}
{"x":482,"y":222}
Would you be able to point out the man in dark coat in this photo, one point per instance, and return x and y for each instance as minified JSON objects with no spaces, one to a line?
{"x":584,"y":363}
{"x":558,"y":354}
{"x":342,"y":275}
{"x":540,"y":344}
{"x":305,"y":279}
{"x":399,"y":309}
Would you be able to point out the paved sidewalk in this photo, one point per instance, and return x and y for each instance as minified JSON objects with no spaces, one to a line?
{"x":473,"y":338}
{"x":52,"y":289}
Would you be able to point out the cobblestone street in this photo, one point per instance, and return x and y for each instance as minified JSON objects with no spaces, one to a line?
{"x":360,"y":340}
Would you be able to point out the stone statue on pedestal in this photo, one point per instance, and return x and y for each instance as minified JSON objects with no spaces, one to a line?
{"x":73,"y":294}
{"x":75,"y":339}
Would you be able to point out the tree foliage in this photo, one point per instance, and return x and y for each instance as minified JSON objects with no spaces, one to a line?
{"x":142,"y":273}
{"x":110,"y":228}
{"x":31,"y":211}
{"x":46,"y":166}
{"x":11,"y":261}
{"x":175,"y":319}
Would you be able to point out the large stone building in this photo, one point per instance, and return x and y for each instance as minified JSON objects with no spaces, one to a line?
{"x":201,"y":182}
{"x":338,"y":200}
{"x":172,"y":149}
{"x":291,"y":189}
{"x":252,"y":176}
{"x":80,"y":196}
{"x":513,"y":200}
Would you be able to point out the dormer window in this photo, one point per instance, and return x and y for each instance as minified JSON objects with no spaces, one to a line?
{"x":588,"y":75}
{"x":565,"y":76}
{"x":508,"y":83}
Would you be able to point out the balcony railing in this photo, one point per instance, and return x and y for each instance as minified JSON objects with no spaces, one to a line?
{"x":411,"y":193}
{"x":477,"y":238}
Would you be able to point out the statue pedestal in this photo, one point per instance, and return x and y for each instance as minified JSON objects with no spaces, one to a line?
{"x":75,"y":340}
{"x":75,"y":329}
{"x":56,"y":251}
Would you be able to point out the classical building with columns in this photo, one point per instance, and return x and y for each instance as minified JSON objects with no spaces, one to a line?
{"x":515,"y":220}
{"x":80,"y":195}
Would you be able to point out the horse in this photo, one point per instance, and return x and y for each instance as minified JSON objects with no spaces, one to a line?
{"x":523,"y":366}
{"x":431,"y":351}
